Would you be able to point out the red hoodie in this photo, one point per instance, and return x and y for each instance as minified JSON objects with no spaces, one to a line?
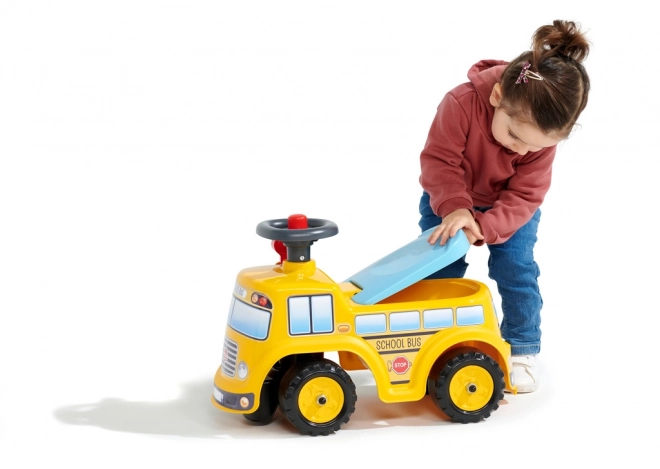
{"x":463,"y":166}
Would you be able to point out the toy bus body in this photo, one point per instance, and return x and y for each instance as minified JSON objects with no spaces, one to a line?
{"x":283,"y":311}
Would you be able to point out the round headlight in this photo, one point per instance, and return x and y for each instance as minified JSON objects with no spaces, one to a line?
{"x":242,"y":370}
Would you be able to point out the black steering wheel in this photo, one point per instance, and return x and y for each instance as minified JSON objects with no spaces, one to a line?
{"x":297,"y":234}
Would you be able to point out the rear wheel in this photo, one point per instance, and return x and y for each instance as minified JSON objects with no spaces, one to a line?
{"x":317,"y":397}
{"x":468,"y":388}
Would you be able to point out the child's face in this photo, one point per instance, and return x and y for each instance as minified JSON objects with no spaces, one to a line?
{"x":515,"y":135}
{"x":519,"y":136}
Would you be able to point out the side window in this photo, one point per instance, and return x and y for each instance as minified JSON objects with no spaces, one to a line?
{"x":438,"y":318}
{"x":370,"y":323}
{"x":310,"y":314}
{"x":322,"y":313}
{"x":470,"y":315}
{"x":406,"y":321}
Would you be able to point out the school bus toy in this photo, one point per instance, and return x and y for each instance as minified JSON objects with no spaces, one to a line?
{"x":417,"y":336}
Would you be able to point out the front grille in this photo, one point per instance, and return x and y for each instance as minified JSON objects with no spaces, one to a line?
{"x":229,"y":357}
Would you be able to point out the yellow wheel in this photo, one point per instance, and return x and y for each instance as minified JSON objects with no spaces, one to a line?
{"x":468,"y":387}
{"x":471,"y":388}
{"x":320,"y":400}
{"x":317,"y":397}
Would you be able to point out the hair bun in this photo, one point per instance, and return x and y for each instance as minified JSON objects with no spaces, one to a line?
{"x":562,"y":38}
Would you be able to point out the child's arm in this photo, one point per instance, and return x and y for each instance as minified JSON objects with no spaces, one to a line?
{"x":442,"y":175}
{"x":517,"y":203}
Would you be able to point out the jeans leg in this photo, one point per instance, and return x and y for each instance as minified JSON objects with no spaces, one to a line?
{"x":511,"y":265}
{"x":428,"y":220}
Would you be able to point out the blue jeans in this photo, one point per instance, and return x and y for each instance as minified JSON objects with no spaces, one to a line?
{"x":511,"y":265}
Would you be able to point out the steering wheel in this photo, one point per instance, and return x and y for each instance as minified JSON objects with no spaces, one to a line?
{"x":297,"y":233}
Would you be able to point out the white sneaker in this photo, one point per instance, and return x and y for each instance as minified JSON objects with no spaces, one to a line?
{"x":525,"y":372}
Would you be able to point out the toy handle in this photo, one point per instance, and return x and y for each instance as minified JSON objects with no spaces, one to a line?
{"x":280,"y":248}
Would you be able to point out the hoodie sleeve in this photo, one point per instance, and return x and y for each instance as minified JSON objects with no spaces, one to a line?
{"x":517,"y":203}
{"x":442,"y":176}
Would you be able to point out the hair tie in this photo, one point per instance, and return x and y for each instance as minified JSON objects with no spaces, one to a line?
{"x":527,"y":73}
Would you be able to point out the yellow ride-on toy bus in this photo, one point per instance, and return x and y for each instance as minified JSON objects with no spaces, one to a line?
{"x":416,"y":336}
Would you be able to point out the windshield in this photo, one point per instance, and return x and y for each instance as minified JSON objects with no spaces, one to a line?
{"x":248,"y":320}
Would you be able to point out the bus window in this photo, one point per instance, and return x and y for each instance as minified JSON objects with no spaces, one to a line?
{"x":370,"y":323}
{"x":438,"y":318}
{"x":248,"y":320}
{"x":470,"y":315}
{"x":406,"y":321}
{"x":310,"y":314}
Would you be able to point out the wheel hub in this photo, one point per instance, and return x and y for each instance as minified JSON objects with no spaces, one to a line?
{"x":471,"y":388}
{"x":321,"y":400}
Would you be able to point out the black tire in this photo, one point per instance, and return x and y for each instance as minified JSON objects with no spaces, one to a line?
{"x":267,"y":403}
{"x":269,"y":397}
{"x":468,"y":388}
{"x":317,"y":397}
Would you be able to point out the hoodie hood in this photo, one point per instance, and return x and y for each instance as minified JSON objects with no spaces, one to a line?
{"x":484,"y":74}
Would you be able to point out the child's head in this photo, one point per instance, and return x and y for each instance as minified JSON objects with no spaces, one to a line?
{"x":546,"y":88}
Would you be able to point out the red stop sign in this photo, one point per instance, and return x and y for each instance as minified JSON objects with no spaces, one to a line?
{"x":400,"y":365}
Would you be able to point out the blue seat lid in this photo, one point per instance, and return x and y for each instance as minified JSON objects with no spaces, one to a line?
{"x":405,"y":266}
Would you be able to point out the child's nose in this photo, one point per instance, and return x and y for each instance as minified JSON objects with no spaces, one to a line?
{"x":522,"y":149}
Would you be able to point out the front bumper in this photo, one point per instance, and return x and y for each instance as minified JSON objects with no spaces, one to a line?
{"x":231,"y":401}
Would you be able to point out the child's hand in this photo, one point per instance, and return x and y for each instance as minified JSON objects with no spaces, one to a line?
{"x":456,"y":220}
{"x":472,"y":238}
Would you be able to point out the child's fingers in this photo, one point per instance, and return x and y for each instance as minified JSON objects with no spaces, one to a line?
{"x":449,"y":232}
{"x":475,"y":229}
{"x":436,"y":234}
{"x":440,"y":233}
{"x":444,"y":238}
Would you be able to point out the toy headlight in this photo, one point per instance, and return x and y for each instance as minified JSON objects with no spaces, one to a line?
{"x":242,"y":370}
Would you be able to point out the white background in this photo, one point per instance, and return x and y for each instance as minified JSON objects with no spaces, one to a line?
{"x":142,"y":141}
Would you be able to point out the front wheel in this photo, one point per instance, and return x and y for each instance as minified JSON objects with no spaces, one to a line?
{"x":268,"y":399}
{"x":317,"y":397}
{"x":267,"y":402}
{"x":468,"y":388}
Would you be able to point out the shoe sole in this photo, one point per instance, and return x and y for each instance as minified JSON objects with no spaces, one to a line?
{"x":525,"y":389}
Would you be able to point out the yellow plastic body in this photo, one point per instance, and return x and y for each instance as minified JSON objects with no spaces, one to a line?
{"x":400,"y":361}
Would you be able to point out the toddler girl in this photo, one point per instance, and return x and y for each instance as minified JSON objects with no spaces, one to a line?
{"x":487,"y":165}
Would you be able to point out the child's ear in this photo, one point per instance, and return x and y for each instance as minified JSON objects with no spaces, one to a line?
{"x":496,"y":95}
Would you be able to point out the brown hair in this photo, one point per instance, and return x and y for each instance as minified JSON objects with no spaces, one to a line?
{"x":554,"y":103}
